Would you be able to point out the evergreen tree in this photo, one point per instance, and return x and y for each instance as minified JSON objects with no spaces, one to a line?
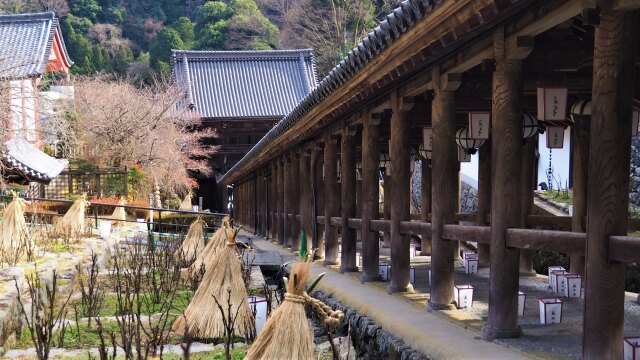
{"x":185,"y":29}
{"x":122,"y":60}
{"x":249,"y":29}
{"x":85,"y":8}
{"x":97,"y":59}
{"x":160,"y":49}
{"x":211,"y":26}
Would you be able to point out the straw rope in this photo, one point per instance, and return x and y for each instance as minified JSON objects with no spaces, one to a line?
{"x":331,"y":317}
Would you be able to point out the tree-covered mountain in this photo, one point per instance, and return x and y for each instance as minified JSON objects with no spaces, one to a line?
{"x":135,"y":37}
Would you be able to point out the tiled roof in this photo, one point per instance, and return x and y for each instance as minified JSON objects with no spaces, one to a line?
{"x":232,"y":84}
{"x":26,"y":159}
{"x":401,"y":19}
{"x":25,"y":44}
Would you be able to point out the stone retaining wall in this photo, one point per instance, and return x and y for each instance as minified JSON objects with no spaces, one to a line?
{"x":370,"y":340}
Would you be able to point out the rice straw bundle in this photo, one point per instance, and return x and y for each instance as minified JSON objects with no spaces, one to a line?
{"x":203,"y":318}
{"x":14,"y":230}
{"x":186,"y":202}
{"x":193,"y":243}
{"x":217,"y":242}
{"x":73,"y":220}
{"x":287,"y":333}
{"x":118,"y":213}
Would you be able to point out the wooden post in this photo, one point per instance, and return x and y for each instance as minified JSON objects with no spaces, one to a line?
{"x":425,"y":204}
{"x":370,"y":196}
{"x":331,"y":199}
{"x":295,"y":200}
{"x":399,"y":202}
{"x":484,"y":198}
{"x":274,"y":201}
{"x":505,"y":190}
{"x":286,"y":194}
{"x":281,"y":201}
{"x":608,"y":188}
{"x":527,"y":185}
{"x":456,"y":244}
{"x":348,"y":185}
{"x":580,"y":154}
{"x":318,"y":195}
{"x":386,"y":205}
{"x":305,"y":196}
{"x":443,"y":192}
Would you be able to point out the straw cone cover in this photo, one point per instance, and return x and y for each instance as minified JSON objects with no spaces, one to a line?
{"x":186,"y":202}
{"x":193,"y":243}
{"x":118,"y":212}
{"x":203,"y":318}
{"x":217,"y":242}
{"x":73,"y":220}
{"x":13,"y":228}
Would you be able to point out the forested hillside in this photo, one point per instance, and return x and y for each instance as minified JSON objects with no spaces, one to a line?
{"x":135,"y":37}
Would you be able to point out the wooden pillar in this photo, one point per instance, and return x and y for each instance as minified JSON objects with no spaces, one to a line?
{"x":370,"y":196}
{"x":527,"y":185}
{"x":425,"y":204}
{"x":280,"y":195}
{"x":399,"y":202}
{"x":608,"y":188}
{"x":505,"y":191}
{"x":295,"y":200}
{"x":305,"y":196}
{"x":331,"y":199}
{"x":318,"y":196}
{"x":580,"y":154}
{"x":484,"y":198}
{"x":444,"y":162}
{"x":286,"y":194}
{"x":273,"y":226}
{"x":386,"y":205}
{"x":456,"y":244}
{"x":348,"y":197}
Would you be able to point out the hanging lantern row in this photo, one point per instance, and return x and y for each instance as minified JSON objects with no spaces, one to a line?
{"x":466,"y":142}
{"x":552,"y":103}
{"x":425,"y":154}
{"x":385,"y":160}
{"x":530,"y":126}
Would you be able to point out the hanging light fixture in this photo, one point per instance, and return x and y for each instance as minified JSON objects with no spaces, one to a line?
{"x":463,"y":155}
{"x":425,"y":154}
{"x":427,"y":138}
{"x":581,"y":110}
{"x":529,"y":126}
{"x":468,"y":144}
{"x":385,"y":160}
{"x":479,"y":124}
{"x":552,"y":103}
{"x":555,"y":137}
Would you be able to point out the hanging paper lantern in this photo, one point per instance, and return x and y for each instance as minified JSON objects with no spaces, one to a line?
{"x":581,"y":110}
{"x":529,"y":126}
{"x":555,"y":137}
{"x":466,"y":142}
{"x":552,"y":103}
{"x":479,"y":124}
{"x":385,"y":160}
{"x":463,"y":155}
{"x":425,"y":154}
{"x":427,"y":138}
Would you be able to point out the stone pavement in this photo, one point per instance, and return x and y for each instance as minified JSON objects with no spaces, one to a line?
{"x":430,"y":333}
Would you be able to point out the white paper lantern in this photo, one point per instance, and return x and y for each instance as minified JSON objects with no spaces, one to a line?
{"x":573,"y":286}
{"x":463,"y":156}
{"x":466,"y":142}
{"x":558,"y":280}
{"x":463,"y":295}
{"x":427,"y":138}
{"x":424,"y":154}
{"x":522,"y":299}
{"x":384,"y":269}
{"x":412,"y":251}
{"x":412,"y":275}
{"x":529,"y":126}
{"x":550,"y":310}
{"x":552,"y":103}
{"x":632,"y":348}
{"x":471,"y":266}
{"x":358,"y":259}
{"x":555,"y":137}
{"x":550,"y":271}
{"x":479,"y":124}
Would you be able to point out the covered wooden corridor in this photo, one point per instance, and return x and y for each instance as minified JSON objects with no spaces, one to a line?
{"x":431,"y":65}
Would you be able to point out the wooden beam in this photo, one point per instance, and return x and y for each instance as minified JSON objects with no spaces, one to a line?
{"x":380,"y":225}
{"x":625,"y":5}
{"x":550,"y":240}
{"x":479,"y":234}
{"x":348,"y":199}
{"x":624,"y":249}
{"x":370,"y":197}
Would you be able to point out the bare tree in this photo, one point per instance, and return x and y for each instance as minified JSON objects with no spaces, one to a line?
{"x":115,"y":123}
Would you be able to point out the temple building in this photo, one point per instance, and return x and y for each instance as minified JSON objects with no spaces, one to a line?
{"x":30,"y":46}
{"x":242,"y":95}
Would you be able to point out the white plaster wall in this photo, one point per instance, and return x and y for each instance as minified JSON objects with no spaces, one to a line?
{"x":559,"y":161}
